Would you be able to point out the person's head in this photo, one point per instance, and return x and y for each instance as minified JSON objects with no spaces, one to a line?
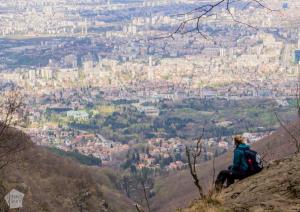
{"x":238,"y":140}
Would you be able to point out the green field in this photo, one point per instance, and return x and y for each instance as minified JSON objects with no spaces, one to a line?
{"x":185,"y":119}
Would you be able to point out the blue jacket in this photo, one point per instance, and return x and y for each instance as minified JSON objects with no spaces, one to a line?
{"x":239,"y":159}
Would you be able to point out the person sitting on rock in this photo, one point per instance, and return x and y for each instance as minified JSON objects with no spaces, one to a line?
{"x":240,"y":167}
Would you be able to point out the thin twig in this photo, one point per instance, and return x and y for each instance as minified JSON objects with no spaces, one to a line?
{"x":192,"y":164}
{"x":294,"y":138}
{"x":214,"y":172}
{"x":199,"y":13}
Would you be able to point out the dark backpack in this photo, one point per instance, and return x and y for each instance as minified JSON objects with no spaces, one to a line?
{"x":254,"y":161}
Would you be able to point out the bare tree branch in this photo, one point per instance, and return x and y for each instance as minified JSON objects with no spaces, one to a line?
{"x":298,"y":96}
{"x":294,"y":138}
{"x":196,"y":15}
{"x":192,"y":160}
{"x":143,"y":178}
{"x":146,"y":196}
{"x":10,"y":143}
{"x":139,"y":208}
{"x":214,"y":172}
{"x":82,"y":196}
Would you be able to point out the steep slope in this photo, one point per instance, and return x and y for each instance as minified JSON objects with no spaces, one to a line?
{"x":177,"y":190}
{"x":52,"y":183}
{"x":276,"y":188}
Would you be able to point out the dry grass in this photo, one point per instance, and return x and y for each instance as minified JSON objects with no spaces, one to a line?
{"x":213,"y":202}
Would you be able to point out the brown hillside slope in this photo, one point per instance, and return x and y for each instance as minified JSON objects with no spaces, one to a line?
{"x":276,"y":188}
{"x":177,"y":189}
{"x":52,"y":183}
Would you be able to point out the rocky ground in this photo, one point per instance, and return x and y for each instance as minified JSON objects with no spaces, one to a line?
{"x":276,"y":188}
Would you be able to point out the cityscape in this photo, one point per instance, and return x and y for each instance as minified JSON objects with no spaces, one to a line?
{"x":66,"y":56}
{"x":122,"y":83}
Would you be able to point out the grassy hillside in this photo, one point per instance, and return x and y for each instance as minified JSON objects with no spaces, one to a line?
{"x":177,"y":189}
{"x":53,"y":183}
{"x":276,"y":188}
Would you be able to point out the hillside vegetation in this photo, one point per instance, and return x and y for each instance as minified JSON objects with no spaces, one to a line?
{"x":83,"y":159}
{"x":52,"y":183}
{"x":177,"y":189}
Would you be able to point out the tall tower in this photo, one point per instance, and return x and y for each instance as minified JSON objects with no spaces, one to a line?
{"x":150,"y":61}
{"x":86,"y":27}
{"x":150,"y":73}
{"x":150,"y":69}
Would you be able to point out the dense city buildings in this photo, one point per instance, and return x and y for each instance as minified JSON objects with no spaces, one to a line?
{"x":79,"y":64}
